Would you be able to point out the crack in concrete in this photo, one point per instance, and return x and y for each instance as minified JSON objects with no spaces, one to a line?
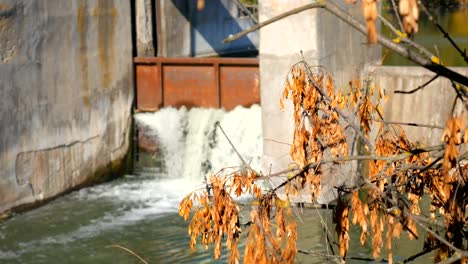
{"x":28,"y":158}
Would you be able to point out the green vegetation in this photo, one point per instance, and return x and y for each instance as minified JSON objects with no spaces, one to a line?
{"x":249,"y":2}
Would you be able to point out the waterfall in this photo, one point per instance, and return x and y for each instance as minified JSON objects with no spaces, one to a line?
{"x":192,"y":146}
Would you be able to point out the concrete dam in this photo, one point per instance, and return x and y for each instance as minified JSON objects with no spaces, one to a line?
{"x":112,"y":113}
{"x":72,"y":73}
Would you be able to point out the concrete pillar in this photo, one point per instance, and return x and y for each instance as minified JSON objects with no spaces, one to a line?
{"x":144,"y":28}
{"x":324,"y":40}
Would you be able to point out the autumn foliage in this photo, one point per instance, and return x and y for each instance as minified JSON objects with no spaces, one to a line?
{"x":384,"y":202}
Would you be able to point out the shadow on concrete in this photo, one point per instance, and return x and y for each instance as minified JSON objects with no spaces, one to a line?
{"x":215,"y":22}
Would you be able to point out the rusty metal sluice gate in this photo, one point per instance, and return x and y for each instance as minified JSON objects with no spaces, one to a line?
{"x":196,"y":82}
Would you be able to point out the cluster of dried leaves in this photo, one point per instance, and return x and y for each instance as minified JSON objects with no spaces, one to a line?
{"x":384,"y":203}
{"x":407,"y":9}
{"x":271,"y":231}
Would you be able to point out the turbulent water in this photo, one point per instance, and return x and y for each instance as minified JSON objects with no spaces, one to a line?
{"x":193,"y":146}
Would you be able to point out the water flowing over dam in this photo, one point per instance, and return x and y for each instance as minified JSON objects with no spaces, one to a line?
{"x":192,"y":145}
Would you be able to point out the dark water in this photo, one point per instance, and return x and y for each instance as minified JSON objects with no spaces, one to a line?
{"x":139,"y":213}
{"x":453,"y":20}
{"x":135,"y":212}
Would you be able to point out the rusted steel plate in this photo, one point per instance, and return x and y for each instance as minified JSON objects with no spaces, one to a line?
{"x":148,"y":88}
{"x":190,"y":86}
{"x":196,"y":82}
{"x":239,"y":85}
{"x":192,"y":61}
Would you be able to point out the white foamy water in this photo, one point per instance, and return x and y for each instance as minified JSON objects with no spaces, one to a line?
{"x":192,"y":145}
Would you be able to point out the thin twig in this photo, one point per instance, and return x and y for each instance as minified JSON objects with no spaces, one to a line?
{"x":445,"y":33}
{"x":217,"y":124}
{"x":421,"y":49}
{"x":408,"y":124}
{"x":395,"y":10}
{"x":419,"y":254}
{"x":271,"y":20}
{"x":401,"y":156}
{"x":334,"y":258}
{"x":129,"y":251}
{"x":327,"y":232}
{"x":419,"y":87}
{"x":441,"y":239}
{"x":276,"y":141}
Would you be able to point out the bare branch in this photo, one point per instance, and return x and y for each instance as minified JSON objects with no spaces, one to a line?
{"x":406,"y":40}
{"x":401,"y":156}
{"x":445,"y":33}
{"x":217,"y":124}
{"x":129,"y":251}
{"x":350,"y":20}
{"x":300,"y":9}
{"x":408,"y":124}
{"x":419,"y":87}
{"x":395,"y":10}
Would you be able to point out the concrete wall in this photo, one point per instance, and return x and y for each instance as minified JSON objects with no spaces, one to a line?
{"x":325,"y":40}
{"x":66,"y":89}
{"x":431,"y":105}
{"x":144,"y":28}
{"x":188,"y":32}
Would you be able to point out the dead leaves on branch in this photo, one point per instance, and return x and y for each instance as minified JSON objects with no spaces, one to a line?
{"x":213,"y":219}
{"x":316,"y":123}
{"x":369,"y":11}
{"x":369,"y":8}
{"x":452,"y":137}
{"x":271,"y":234}
{"x":271,"y":241}
{"x":383,"y":206}
{"x":408,"y":11}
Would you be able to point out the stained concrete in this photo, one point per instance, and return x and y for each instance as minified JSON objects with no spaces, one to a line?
{"x":66,"y":88}
{"x":431,"y":105}
{"x":144,"y":28}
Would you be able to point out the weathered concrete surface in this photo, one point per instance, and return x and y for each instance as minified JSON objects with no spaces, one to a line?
{"x":430,"y":106}
{"x":326,"y":41}
{"x":144,"y":28}
{"x":66,"y":89}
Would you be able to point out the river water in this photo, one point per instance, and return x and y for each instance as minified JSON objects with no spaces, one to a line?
{"x":139,"y":212}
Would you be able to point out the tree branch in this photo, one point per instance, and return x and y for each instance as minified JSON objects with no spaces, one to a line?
{"x":353,"y":22}
{"x":405,"y":39}
{"x":419,"y":87}
{"x":445,"y":33}
{"x":407,"y":124}
{"x":335,"y":108}
{"x":300,"y":9}
{"x":401,"y":156}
